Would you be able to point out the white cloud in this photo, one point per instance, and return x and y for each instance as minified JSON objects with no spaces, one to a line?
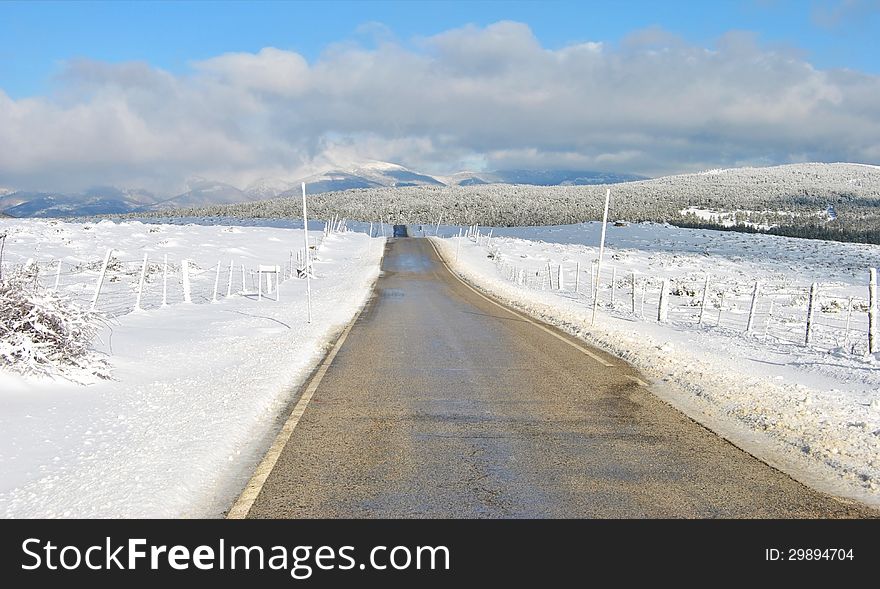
{"x":654,"y":105}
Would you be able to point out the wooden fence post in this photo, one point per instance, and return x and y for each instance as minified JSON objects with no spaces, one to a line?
{"x":752,"y":307}
{"x":632,"y":281}
{"x":187,"y":294}
{"x":229,"y":280}
{"x":872,"y":311}
{"x":811,"y":309}
{"x":216,"y":282}
{"x":101,"y":279}
{"x":663,"y":307}
{"x":137,"y":303}
{"x":703,"y":301}
{"x":577,"y":277}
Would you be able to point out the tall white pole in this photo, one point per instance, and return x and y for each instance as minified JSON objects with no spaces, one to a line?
{"x":308,"y":257}
{"x":601,"y":253}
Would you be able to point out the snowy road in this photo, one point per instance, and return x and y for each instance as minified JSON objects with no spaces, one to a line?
{"x":441,"y":403}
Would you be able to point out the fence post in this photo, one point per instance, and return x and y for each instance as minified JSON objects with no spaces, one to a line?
{"x":165,"y":283}
{"x":642,"y":304}
{"x":216,"y":282}
{"x":57,"y":275}
{"x":872,"y":311}
{"x":752,"y":307}
{"x":811,"y":309}
{"x":577,"y":278}
{"x":550,"y":275}
{"x":229,"y":281}
{"x":632,"y":280}
{"x":101,"y":279}
{"x":703,"y":301}
{"x":721,"y":308}
{"x":560,"y":278}
{"x":243,"y":281}
{"x":769,"y":317}
{"x":663,"y":307}
{"x":187,"y":294}
{"x":848,"y":317}
{"x":137,"y":304}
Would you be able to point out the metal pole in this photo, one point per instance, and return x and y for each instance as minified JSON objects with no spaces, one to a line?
{"x":308,"y":265}
{"x":601,"y":253}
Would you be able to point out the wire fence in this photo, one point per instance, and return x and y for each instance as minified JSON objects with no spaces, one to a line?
{"x":823,"y":316}
{"x":116,"y":286}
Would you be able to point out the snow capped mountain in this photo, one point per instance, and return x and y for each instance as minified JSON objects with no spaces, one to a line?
{"x":94,"y":201}
{"x":539,"y":178}
{"x":264,"y":188}
{"x":371,"y":174}
{"x":200,"y":192}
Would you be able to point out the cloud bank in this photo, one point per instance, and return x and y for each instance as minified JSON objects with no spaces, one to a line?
{"x":488,"y":96}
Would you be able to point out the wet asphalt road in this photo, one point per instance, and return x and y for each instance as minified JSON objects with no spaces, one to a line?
{"x":441,"y":404}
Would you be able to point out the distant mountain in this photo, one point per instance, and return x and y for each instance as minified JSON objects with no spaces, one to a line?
{"x":540,"y":178}
{"x":95,"y":201}
{"x":373,"y":174}
{"x":267,"y":188}
{"x":202,"y":192}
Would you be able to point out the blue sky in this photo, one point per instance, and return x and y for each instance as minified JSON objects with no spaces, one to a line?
{"x":36,"y":37}
{"x":150,"y":95}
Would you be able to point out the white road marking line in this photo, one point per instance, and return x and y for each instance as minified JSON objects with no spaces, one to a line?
{"x":521,"y":316}
{"x":246,"y":500}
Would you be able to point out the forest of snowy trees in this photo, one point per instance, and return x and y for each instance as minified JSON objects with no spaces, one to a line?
{"x":827,"y":201}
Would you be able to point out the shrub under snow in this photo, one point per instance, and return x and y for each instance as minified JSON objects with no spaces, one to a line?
{"x":43,"y":333}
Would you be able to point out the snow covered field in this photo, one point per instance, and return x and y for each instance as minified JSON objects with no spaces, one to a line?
{"x":811,"y":411}
{"x":196,"y":388}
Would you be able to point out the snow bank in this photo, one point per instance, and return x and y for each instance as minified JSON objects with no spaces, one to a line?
{"x":197,"y":389}
{"x":813,"y":414}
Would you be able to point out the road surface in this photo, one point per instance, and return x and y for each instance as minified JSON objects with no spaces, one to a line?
{"x":440,"y":403}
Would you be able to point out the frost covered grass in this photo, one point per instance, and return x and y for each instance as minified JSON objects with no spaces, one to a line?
{"x":195,"y":389}
{"x":813,"y":412}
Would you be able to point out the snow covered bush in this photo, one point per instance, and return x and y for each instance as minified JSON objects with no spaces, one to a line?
{"x":43,"y":333}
